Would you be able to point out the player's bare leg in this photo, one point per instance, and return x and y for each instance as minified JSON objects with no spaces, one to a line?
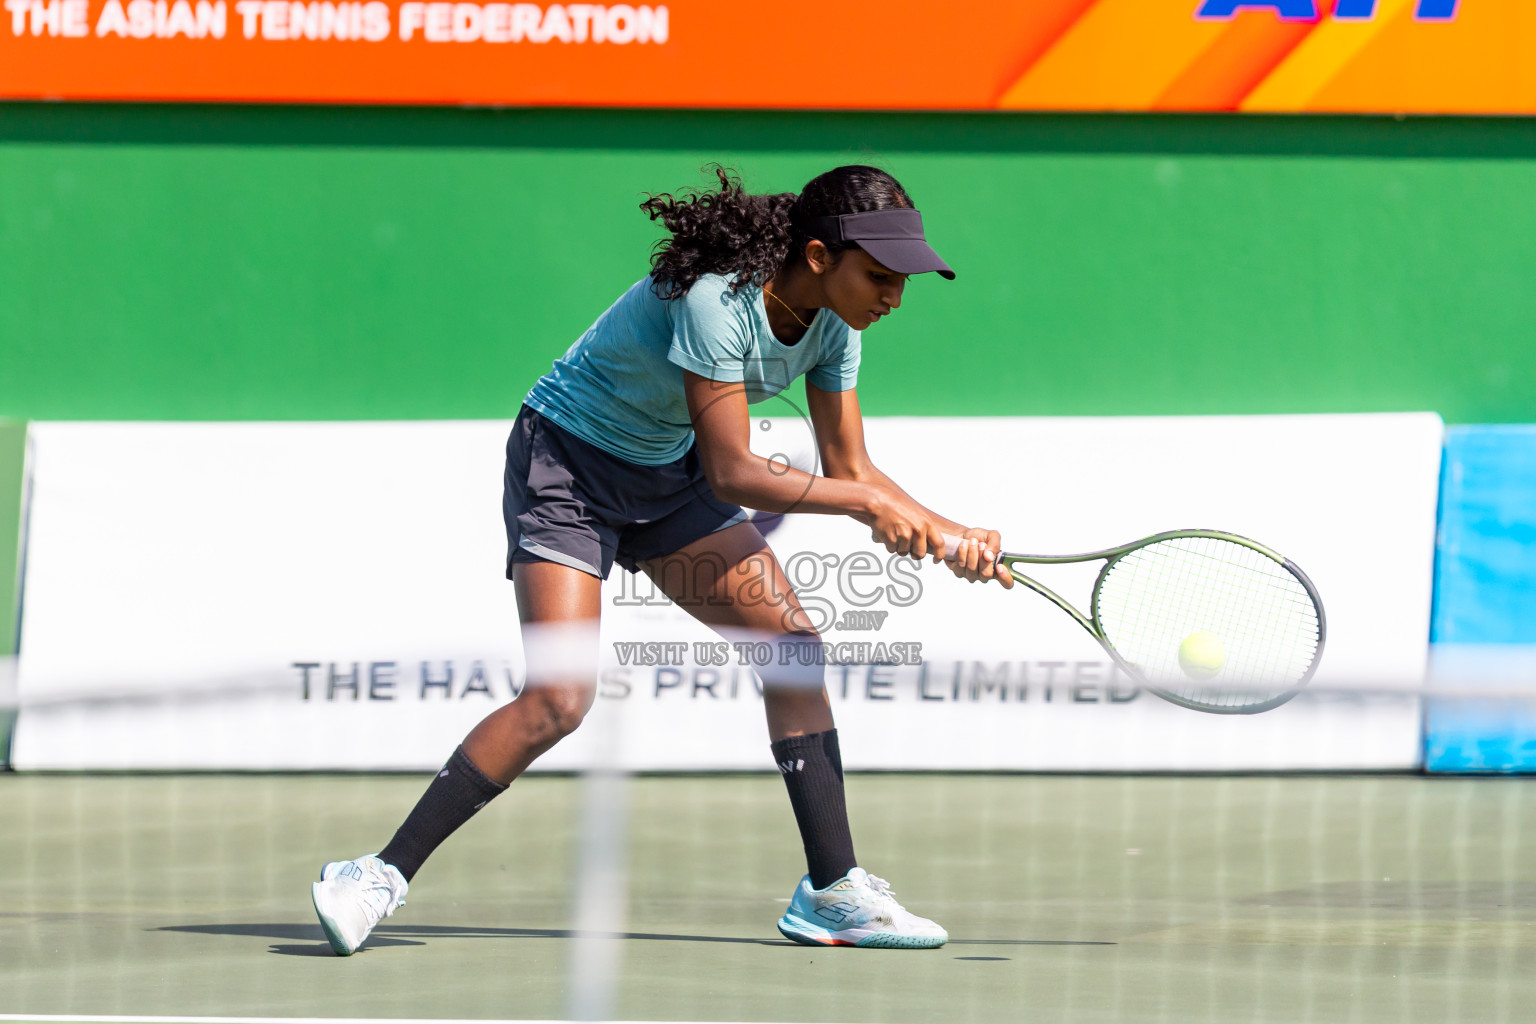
{"x":556,"y":604}
{"x":559,"y":608}
{"x":732,"y":581}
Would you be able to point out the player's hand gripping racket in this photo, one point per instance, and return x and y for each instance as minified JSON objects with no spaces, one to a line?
{"x":1210,"y":621}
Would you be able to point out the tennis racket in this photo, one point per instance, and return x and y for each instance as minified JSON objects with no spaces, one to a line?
{"x":1208,"y":620}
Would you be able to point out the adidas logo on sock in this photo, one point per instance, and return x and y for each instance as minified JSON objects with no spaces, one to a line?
{"x":785,"y":767}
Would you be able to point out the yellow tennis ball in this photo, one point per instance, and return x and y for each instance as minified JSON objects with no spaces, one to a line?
{"x":1201,"y":655}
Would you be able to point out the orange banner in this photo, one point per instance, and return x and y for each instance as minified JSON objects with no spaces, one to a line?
{"x":1414,"y":56}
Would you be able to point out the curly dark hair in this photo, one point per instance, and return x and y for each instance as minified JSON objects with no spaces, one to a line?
{"x":729,"y":230}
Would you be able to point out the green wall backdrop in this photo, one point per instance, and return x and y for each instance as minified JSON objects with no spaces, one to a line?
{"x":313,"y":263}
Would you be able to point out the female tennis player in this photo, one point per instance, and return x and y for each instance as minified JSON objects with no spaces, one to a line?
{"x":634,"y":448}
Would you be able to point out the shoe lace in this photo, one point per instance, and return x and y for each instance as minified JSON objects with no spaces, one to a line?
{"x":881,"y":888}
{"x":381,"y":900}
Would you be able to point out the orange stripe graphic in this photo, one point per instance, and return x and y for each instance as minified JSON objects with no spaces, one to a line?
{"x":1254,"y":43}
{"x":1049,"y":19}
{"x":1320,"y":57}
{"x":1120,"y":55}
{"x":1483,"y":62}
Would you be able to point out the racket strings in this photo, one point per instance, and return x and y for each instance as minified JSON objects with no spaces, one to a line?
{"x":1252,"y":660}
{"x":1263,"y":619}
{"x":1151,"y":634}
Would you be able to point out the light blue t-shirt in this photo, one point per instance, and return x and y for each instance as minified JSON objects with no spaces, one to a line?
{"x":620,"y":386}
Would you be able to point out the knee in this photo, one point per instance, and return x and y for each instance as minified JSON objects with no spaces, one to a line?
{"x":799,"y":646}
{"x":798,"y":666}
{"x":561,"y":709}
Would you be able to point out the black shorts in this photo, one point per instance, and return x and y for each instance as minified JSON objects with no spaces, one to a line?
{"x":570,"y":502}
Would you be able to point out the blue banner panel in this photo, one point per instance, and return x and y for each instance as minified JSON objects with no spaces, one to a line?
{"x":1484,"y":623}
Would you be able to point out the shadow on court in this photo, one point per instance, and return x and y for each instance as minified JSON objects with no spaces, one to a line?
{"x":397,"y":935}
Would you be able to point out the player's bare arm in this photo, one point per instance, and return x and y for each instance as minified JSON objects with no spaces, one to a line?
{"x":839,"y":426}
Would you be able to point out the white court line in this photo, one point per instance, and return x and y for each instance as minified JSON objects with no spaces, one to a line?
{"x":90,"y":1018}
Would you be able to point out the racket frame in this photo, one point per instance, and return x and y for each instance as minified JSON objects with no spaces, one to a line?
{"x":1112,"y":555}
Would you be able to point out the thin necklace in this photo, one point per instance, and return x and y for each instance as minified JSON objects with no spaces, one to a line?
{"x":792,"y":313}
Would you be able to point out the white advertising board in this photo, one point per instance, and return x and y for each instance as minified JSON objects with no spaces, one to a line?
{"x":292,"y":596}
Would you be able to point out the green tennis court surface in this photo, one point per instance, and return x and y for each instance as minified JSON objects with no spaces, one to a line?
{"x":1067,"y":899}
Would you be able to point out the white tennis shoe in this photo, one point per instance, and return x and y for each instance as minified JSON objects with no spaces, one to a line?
{"x":856,"y":910}
{"x":353,"y":896}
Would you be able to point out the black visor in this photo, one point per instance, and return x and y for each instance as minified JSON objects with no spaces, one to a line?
{"x":893,"y":237}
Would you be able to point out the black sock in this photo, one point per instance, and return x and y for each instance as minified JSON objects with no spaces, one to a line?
{"x":813,"y":772}
{"x":459,"y":790}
